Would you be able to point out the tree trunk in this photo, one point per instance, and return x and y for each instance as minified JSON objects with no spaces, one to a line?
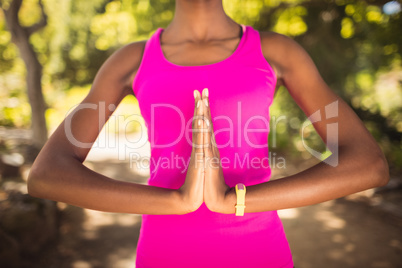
{"x":20,"y":37}
{"x":35,"y":96}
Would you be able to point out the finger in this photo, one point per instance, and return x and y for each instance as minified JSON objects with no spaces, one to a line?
{"x":205,"y":98}
{"x":212,"y":146}
{"x":207,"y":124}
{"x":208,"y":115}
{"x":197,"y":123}
{"x":197,"y":97}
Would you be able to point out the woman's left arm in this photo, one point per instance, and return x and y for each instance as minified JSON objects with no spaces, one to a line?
{"x":358,"y":163}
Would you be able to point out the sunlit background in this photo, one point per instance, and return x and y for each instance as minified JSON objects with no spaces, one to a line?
{"x":356,"y":46}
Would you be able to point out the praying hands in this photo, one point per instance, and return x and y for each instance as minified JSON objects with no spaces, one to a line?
{"x":204,"y":178}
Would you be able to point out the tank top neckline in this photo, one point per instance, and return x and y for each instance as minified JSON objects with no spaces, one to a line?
{"x":232,"y":56}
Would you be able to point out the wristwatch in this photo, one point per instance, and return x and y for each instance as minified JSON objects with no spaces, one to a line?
{"x":241,"y":197}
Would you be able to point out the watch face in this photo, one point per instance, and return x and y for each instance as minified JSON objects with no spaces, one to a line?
{"x":240,"y":186}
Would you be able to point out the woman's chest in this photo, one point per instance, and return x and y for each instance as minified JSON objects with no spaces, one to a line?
{"x":239,"y":100}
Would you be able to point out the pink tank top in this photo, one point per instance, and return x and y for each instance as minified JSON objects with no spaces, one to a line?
{"x":241,"y":90}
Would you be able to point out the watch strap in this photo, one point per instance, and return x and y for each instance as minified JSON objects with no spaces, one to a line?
{"x":241,"y":198}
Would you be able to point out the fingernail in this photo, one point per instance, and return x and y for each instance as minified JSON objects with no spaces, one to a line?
{"x":199,"y":122}
{"x":195,"y":94}
{"x":207,"y":121}
{"x":198,"y":103}
{"x":206,"y":102}
{"x":205,"y":91}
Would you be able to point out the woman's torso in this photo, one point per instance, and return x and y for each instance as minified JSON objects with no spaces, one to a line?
{"x":241,"y":90}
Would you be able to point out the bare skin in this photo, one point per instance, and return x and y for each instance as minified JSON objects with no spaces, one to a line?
{"x":201,"y":33}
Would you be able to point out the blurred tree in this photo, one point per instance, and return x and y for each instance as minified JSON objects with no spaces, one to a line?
{"x":357,"y":49}
{"x":20,"y":36}
{"x":356,"y":46}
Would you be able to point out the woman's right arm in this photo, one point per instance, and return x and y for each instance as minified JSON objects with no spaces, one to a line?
{"x":58,"y":172}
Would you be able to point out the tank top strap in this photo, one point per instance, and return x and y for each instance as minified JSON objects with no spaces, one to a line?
{"x":247,"y":53}
{"x":150,"y":61}
{"x":251,"y":52}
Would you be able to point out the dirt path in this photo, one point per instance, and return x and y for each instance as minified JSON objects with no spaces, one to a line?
{"x":338,"y":233}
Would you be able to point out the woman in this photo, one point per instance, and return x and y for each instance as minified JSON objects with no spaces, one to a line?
{"x":220,"y":76}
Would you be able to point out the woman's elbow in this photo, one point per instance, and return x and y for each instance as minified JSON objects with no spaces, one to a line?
{"x":380,"y":171}
{"x":36,"y":182}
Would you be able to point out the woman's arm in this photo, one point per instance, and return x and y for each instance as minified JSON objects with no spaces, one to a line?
{"x":360,"y":162}
{"x":58,"y":173}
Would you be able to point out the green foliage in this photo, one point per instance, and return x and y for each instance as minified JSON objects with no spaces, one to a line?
{"x":357,"y":50}
{"x":356,"y":47}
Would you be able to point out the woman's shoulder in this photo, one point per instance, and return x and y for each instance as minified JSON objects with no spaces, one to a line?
{"x":134,"y":51}
{"x":274,"y":39}
{"x":277,"y":49}
{"x":131,"y":52}
{"x":130,"y":57}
